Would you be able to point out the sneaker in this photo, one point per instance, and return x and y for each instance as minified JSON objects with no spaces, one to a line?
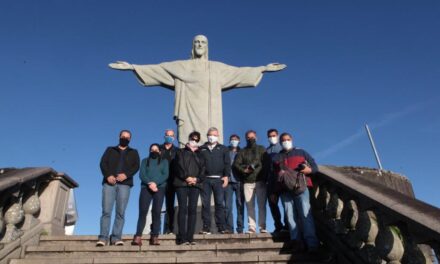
{"x":263,"y":230}
{"x":205,"y":232}
{"x":187,"y":243}
{"x":193,"y":243}
{"x":250,"y":231}
{"x":224,"y":232}
{"x":119,"y":243}
{"x":100,"y":243}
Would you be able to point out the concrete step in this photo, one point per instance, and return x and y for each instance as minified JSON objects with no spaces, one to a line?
{"x":170,"y":239}
{"x":205,"y":250}
{"x":189,"y":259}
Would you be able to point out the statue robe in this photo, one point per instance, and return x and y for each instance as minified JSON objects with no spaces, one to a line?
{"x":198,"y":85}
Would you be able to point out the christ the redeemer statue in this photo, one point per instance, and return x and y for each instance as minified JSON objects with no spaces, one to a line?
{"x":198,"y":85}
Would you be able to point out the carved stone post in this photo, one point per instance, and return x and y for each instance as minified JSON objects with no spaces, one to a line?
{"x":334,"y":210}
{"x":14,"y":215}
{"x":389,"y":244}
{"x":322,"y":199}
{"x":31,"y":207}
{"x":350,"y":217}
{"x":367,"y":229}
{"x":2,"y":222}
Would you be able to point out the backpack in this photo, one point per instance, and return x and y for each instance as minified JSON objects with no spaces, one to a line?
{"x":291,"y":180}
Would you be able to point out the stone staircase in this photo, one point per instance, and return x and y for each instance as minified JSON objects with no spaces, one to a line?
{"x":215,"y":248}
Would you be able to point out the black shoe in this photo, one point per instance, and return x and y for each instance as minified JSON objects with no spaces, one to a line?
{"x":179,"y":242}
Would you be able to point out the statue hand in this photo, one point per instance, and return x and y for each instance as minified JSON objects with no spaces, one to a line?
{"x":121,"y":65}
{"x":275,"y":67}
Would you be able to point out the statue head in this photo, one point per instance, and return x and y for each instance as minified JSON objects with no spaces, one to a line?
{"x":200,"y":47}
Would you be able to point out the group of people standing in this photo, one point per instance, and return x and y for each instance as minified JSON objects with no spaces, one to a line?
{"x":252,"y":173}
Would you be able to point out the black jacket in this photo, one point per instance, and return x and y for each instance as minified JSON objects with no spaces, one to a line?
{"x":170,"y":155}
{"x":110,"y":160}
{"x":188,"y":164}
{"x":217,"y":160}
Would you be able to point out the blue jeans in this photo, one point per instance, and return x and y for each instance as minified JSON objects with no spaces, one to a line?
{"x":298,"y":207}
{"x":239,"y":200}
{"x":211,"y":185}
{"x":112,"y":194}
{"x":145,"y":199}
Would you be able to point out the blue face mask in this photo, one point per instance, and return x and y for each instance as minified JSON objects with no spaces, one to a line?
{"x":169,"y":139}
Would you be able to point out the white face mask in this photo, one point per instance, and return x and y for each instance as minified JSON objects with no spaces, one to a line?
{"x":234,"y":143}
{"x":273,"y":140}
{"x":212,"y":139}
{"x":287,"y":144}
{"x":193,"y":144}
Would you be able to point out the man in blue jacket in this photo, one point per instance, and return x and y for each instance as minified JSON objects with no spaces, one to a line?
{"x":118,"y":165}
{"x":217,"y":171}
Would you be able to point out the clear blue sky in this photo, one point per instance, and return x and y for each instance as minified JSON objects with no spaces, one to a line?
{"x":349,"y":63}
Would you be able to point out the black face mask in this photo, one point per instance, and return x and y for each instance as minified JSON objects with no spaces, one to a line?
{"x":123,"y":142}
{"x":251,"y":142}
{"x":154,"y":155}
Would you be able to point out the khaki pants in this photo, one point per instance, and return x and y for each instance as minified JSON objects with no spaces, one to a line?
{"x":251,"y":190}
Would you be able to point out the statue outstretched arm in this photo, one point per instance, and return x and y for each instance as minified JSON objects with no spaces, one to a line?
{"x":272,"y":67}
{"x":121,"y":65}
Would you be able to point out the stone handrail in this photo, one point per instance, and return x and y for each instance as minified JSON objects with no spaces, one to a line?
{"x":368,"y":218}
{"x":33,"y":201}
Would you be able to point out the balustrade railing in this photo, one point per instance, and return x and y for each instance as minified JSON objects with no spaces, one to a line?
{"x":366,"y":220}
{"x":33,"y":201}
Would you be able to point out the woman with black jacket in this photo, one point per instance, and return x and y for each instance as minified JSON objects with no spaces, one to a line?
{"x":191,"y":167}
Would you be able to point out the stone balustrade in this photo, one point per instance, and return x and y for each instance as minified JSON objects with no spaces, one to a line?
{"x":33,"y":201}
{"x":367,"y":218}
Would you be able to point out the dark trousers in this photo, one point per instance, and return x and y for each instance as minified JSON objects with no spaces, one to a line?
{"x":232,"y":188}
{"x":187,"y":198}
{"x":275,"y":210}
{"x":170,"y":194}
{"x":145,"y":199}
{"x":213,"y":185}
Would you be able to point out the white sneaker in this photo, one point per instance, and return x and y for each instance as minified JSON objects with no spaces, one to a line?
{"x":100,"y":243}
{"x":262,"y":230}
{"x":250,"y":231}
{"x":119,"y":243}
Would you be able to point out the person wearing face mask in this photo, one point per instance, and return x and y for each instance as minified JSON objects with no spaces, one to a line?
{"x":217,"y":171}
{"x":249,"y":165}
{"x":188,"y":183}
{"x":168,"y":151}
{"x":234,"y":186}
{"x":297,"y":207}
{"x":153,"y":175}
{"x":118,"y":165}
{"x":273,"y":149}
